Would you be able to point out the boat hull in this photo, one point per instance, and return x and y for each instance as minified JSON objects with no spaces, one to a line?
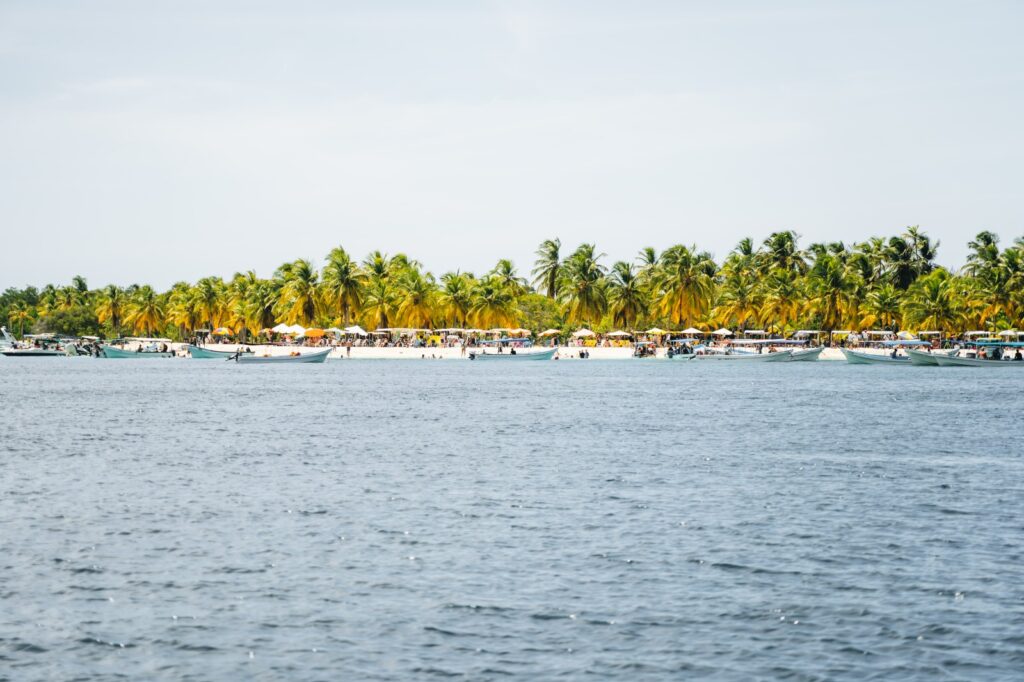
{"x":304,"y":358}
{"x":197,"y":353}
{"x":855,"y":358}
{"x":32,"y":353}
{"x":806,"y":355}
{"x":112,"y":353}
{"x":781,"y":356}
{"x":922,"y":359}
{"x":953,"y":361}
{"x":536,"y":355}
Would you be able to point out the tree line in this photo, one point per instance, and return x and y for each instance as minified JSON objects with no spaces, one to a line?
{"x":881,"y":283}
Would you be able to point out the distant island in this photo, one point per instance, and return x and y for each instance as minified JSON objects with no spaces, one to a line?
{"x":892,"y":284}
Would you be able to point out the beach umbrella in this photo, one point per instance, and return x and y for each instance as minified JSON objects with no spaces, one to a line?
{"x":550,"y":332}
{"x":355,"y":329}
{"x":222,"y":331}
{"x":281,"y":329}
{"x":296,"y":329}
{"x":722,"y":332}
{"x":692,"y":330}
{"x":583,"y":333}
{"x":655,"y":331}
{"x":313,"y":333}
{"x":906,"y":336}
{"x":618,"y":333}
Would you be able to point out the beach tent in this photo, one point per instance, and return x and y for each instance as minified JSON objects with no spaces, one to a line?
{"x":618,"y":334}
{"x":722,"y":332}
{"x":355,"y":329}
{"x":583,"y":333}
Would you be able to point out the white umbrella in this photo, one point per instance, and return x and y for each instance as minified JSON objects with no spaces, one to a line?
{"x":355,"y":329}
{"x":692,"y":330}
{"x":297,"y":329}
{"x":550,"y":332}
{"x":281,"y":329}
{"x":582,"y":333}
{"x":722,"y":332}
{"x":655,"y":331}
{"x":618,"y":333}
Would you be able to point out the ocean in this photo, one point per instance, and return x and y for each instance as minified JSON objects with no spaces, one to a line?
{"x":437,"y":519}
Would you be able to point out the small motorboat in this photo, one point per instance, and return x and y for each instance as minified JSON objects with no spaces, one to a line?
{"x":295,"y":357}
{"x":517,"y":355}
{"x":861,"y":358}
{"x":924,"y":358}
{"x":958,"y":361}
{"x":114,"y":353}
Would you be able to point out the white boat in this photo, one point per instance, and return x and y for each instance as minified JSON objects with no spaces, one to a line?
{"x":806,"y":354}
{"x":957,"y":361}
{"x":928,"y":359}
{"x":546,"y":354}
{"x":780,"y":356}
{"x":32,"y":352}
{"x":860,"y":358}
{"x":299,"y":358}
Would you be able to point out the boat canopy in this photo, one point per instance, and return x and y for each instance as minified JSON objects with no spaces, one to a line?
{"x":906,"y":342}
{"x":1000,"y":344}
{"x":768,"y":342}
{"x":507,"y":339}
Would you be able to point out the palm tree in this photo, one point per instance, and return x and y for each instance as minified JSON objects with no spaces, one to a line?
{"x":685,"y":284}
{"x":416,"y":299}
{"x":931,"y":302}
{"x":740,"y":300}
{"x":20,"y":312}
{"x":491,"y":304}
{"x":783,"y":297}
{"x":627,"y":297}
{"x":924,"y":250}
{"x":506,"y":273}
{"x":342,"y":286}
{"x":882,"y":307}
{"x":299,"y":301}
{"x":901,"y":265}
{"x":581,"y":285}
{"x":379,"y":301}
{"x":831,"y":289}
{"x":210,"y":301}
{"x":984,"y":254}
{"x":455,"y":297}
{"x":781,"y":252}
{"x":547,"y":266}
{"x":146,"y":311}
{"x":112,"y":306}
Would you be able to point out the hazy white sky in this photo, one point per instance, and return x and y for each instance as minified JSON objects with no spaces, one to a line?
{"x":158,"y":141}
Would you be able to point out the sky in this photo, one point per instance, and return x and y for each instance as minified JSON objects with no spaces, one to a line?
{"x":164,"y":141}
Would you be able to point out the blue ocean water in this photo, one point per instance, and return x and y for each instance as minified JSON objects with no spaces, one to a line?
{"x":633,"y":520}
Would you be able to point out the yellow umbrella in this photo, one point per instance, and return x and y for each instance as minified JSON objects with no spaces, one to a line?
{"x":222,"y":331}
{"x":314,"y":332}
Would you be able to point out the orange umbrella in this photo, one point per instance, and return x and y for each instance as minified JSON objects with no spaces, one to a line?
{"x":315,"y":333}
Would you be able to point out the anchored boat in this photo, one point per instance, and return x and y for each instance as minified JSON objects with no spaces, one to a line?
{"x":197,"y":353}
{"x":114,"y":353}
{"x":515,"y":355}
{"x":779,"y":356}
{"x":806,"y":354}
{"x":860,"y":358}
{"x":298,"y":358}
